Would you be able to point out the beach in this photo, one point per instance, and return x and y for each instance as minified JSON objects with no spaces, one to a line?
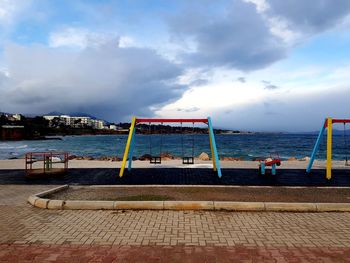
{"x":19,"y":164}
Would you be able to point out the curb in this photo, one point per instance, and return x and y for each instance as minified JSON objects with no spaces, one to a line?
{"x":39,"y":201}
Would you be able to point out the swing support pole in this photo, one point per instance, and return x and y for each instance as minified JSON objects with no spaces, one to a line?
{"x":127,"y":148}
{"x":329,"y":149}
{"x":130,"y":144}
{"x":328,"y":124}
{"x":214,"y":156}
{"x":316,"y":146}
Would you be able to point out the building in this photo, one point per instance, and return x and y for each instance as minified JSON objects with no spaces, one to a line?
{"x":80,"y":122}
{"x":76,"y":121}
{"x":97,"y":124}
{"x":113,"y":127}
{"x":50,"y":117}
{"x":15,"y":117}
{"x":12,"y":117}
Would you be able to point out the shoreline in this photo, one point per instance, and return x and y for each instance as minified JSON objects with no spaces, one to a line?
{"x":318,"y":164}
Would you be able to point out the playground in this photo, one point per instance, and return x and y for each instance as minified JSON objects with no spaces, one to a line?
{"x":187,"y":169}
{"x":133,"y":234}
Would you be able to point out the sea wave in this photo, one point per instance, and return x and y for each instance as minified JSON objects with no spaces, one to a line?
{"x":22,"y":146}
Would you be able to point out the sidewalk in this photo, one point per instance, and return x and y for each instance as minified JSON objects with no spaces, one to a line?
{"x":184,"y":236}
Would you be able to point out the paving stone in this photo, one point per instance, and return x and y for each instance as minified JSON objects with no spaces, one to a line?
{"x":20,"y":223}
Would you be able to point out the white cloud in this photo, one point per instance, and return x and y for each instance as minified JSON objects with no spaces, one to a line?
{"x":261,"y":5}
{"x":77,"y":37}
{"x":8,"y":10}
{"x":126,"y":41}
{"x":303,"y":98}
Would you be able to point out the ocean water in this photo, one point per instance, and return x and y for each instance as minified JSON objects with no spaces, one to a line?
{"x":247,"y":146}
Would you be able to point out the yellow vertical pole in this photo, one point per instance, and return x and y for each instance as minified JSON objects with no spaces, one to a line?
{"x":127,"y":147}
{"x":329,"y":149}
{"x":212,"y":152}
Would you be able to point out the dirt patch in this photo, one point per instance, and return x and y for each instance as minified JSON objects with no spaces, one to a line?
{"x":245,"y":194}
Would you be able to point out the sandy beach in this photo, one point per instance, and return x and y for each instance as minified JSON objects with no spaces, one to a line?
{"x":19,"y":164}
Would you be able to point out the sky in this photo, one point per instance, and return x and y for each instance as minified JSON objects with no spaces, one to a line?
{"x":252,"y":65}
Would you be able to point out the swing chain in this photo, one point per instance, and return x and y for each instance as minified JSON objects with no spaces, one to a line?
{"x":150,"y":139}
{"x":345,"y":146}
{"x":192,"y":139}
{"x":182,"y":142}
{"x":161,"y":139}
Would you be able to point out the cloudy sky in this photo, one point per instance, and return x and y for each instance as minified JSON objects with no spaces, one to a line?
{"x":262,"y":65}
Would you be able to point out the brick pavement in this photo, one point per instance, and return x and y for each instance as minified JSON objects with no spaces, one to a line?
{"x":308,"y":234}
{"x":178,"y":254}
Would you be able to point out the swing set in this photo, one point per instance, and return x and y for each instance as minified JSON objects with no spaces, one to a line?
{"x":157,"y":159}
{"x":328,"y":124}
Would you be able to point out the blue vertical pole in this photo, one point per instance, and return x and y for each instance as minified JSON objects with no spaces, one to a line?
{"x":131,"y":150}
{"x":273,"y":169}
{"x":262,"y":165}
{"x":211,"y":134}
{"x":316,"y":146}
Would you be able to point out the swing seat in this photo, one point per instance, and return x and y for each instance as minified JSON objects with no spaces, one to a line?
{"x":188,"y":160}
{"x":155,"y":160}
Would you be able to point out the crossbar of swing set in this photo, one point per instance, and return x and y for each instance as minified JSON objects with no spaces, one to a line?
{"x":152,"y":120}
{"x":337,"y":121}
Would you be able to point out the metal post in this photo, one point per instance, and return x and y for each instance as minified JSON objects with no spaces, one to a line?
{"x":213,"y":147}
{"x":273,"y":169}
{"x":212,"y":151}
{"x":329,"y":149}
{"x":262,"y":165}
{"x":316,"y":146}
{"x":131,"y":132}
{"x":132,"y":146}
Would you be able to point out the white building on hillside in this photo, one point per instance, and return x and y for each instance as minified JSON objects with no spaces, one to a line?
{"x":97,"y":124}
{"x":78,"y":122}
{"x":50,"y":117}
{"x":113,"y":127}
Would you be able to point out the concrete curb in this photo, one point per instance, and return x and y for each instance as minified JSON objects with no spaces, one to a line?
{"x":139,"y":205}
{"x":188,"y":205}
{"x":239,"y":206}
{"x":39,"y":201}
{"x":53,"y":190}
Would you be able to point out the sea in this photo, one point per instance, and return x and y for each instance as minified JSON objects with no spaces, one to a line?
{"x":244,"y":146}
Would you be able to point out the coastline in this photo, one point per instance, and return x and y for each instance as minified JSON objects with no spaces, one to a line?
{"x":320,"y":164}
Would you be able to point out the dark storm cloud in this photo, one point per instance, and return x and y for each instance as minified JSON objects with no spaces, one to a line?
{"x":3,"y":79}
{"x":193,"y":109}
{"x":241,"y":79}
{"x":107,"y":80}
{"x":199,"y":82}
{"x":238,"y":37}
{"x":308,"y":15}
{"x":269,"y":86}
